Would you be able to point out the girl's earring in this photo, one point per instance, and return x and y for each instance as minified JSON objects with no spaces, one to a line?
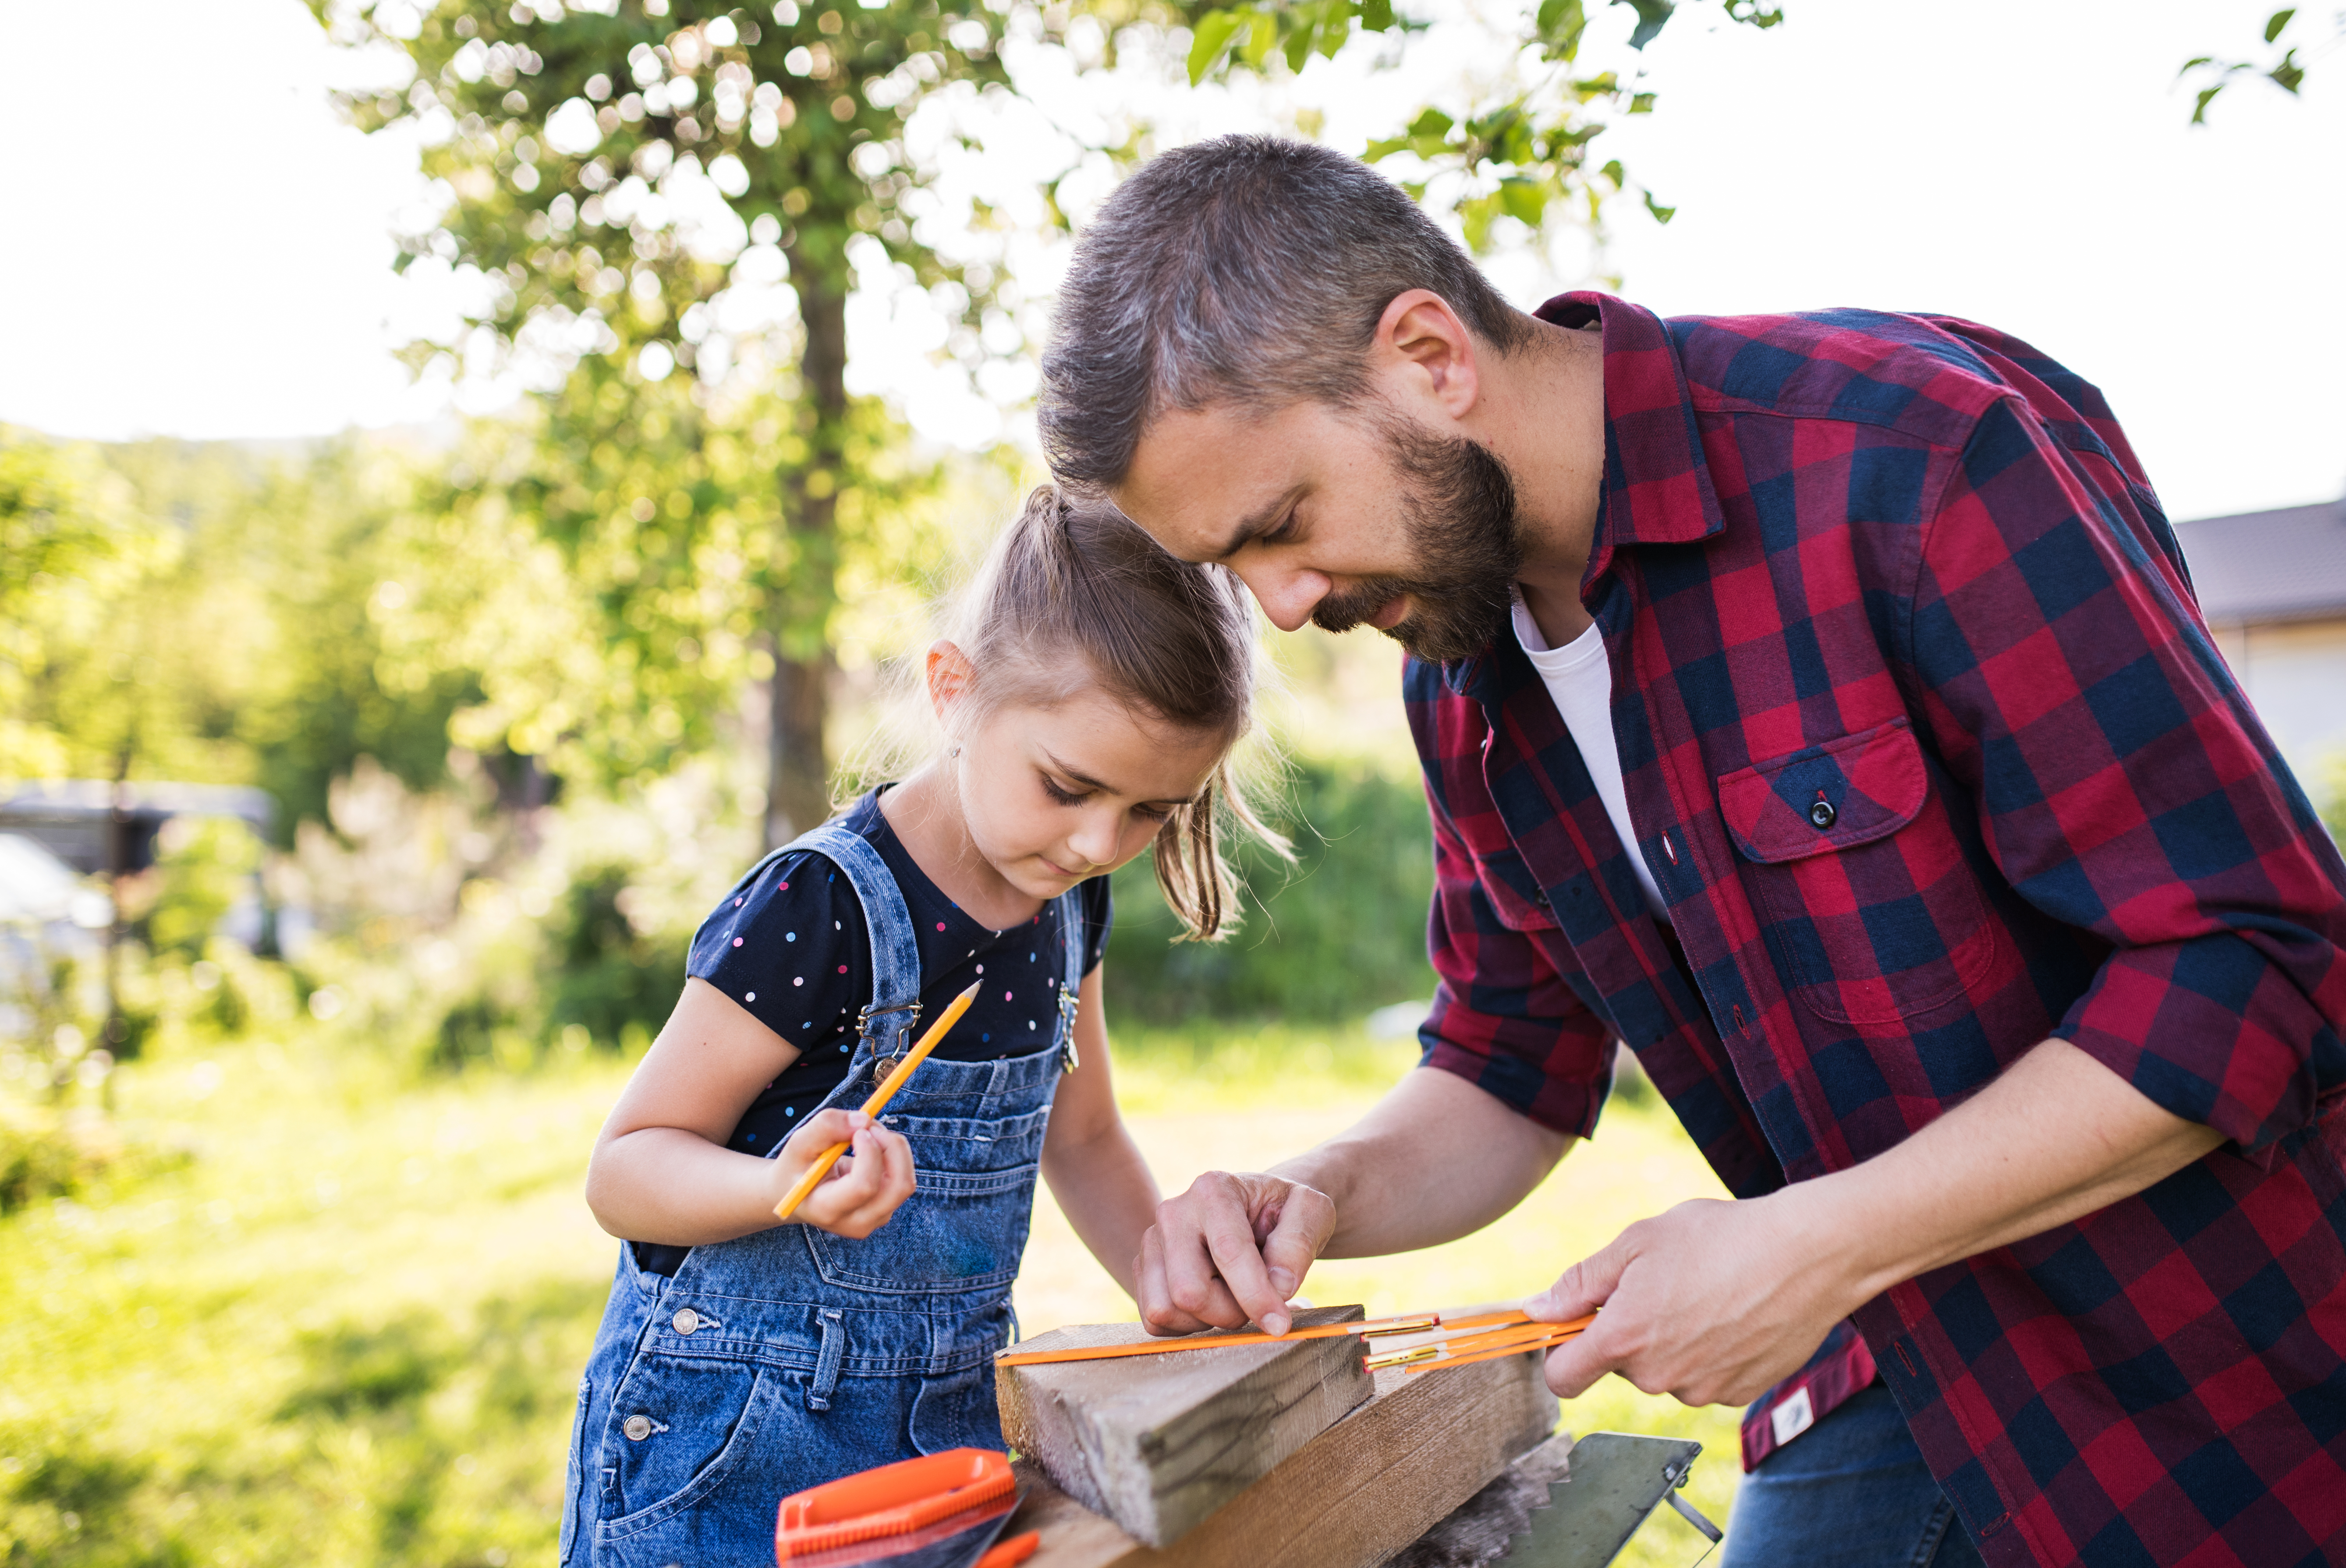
{"x":952,"y":752}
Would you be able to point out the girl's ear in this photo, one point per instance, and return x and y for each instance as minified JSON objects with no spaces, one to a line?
{"x":952,"y":678}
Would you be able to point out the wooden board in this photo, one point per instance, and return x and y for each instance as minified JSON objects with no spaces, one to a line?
{"x":1359,"y":1493}
{"x":1156,"y":1443}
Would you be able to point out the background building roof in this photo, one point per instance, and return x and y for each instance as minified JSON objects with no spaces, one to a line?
{"x":2287,"y":565}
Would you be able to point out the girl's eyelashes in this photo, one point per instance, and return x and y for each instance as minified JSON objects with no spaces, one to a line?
{"x":1071,"y":798}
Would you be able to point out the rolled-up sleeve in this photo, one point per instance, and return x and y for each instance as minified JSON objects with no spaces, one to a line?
{"x":2125,"y":786}
{"x":1505,"y":1018}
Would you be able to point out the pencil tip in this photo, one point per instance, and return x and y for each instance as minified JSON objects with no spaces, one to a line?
{"x":974,"y":986}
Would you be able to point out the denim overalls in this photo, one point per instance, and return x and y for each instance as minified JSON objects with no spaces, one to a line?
{"x":792,"y":1357}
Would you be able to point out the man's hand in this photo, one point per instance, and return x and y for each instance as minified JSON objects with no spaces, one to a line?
{"x":1231,"y":1249}
{"x":1715,"y":1301}
{"x":1711,"y":1302}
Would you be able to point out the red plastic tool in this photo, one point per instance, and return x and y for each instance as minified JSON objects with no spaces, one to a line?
{"x":940,"y":1510}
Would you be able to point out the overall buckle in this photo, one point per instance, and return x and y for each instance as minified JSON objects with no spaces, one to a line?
{"x":883,"y":1065}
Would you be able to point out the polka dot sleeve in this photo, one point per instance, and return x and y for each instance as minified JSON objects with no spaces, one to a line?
{"x":788,"y":944}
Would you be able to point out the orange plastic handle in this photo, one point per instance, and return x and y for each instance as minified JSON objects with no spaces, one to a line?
{"x":893,"y":1500}
{"x":1010,"y":1552}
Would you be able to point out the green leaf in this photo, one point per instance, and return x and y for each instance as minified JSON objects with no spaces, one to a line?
{"x":1641,"y":103}
{"x":1652,"y":16}
{"x":1614,"y":172}
{"x":2288,"y":74}
{"x":2207,"y":96}
{"x":1298,"y":46}
{"x":1214,"y":32}
{"x":1661,"y":214}
{"x":1376,"y":15}
{"x":1262,"y":37}
{"x":2275,"y":23}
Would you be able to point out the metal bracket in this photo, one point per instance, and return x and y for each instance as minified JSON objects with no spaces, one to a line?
{"x":1613,"y":1481}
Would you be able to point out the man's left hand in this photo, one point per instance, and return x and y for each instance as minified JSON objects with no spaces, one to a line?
{"x":1712,"y":1302}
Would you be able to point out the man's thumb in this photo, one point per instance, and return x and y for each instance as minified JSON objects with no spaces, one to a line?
{"x":1579,"y":1289}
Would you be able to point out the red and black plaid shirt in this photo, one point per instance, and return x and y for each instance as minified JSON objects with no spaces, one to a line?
{"x":1931,"y":758}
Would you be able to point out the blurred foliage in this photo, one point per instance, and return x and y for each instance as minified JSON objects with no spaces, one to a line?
{"x":1340,"y":931}
{"x":2283,"y":70}
{"x":1521,"y":150}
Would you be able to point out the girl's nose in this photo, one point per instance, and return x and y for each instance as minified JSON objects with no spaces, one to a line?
{"x":1094,"y":837}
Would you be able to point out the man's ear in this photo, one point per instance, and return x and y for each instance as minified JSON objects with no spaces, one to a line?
{"x":951,"y":678}
{"x":1425,"y":354}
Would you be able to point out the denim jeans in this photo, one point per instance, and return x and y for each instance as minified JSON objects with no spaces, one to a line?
{"x":1851,"y":1491}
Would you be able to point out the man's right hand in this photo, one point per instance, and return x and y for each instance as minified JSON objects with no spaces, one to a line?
{"x":1232,"y":1249}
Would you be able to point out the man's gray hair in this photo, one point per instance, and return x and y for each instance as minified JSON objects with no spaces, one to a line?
{"x":1249,"y":270}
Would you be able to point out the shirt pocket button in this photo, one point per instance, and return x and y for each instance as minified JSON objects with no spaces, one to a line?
{"x":686,"y":1320}
{"x":1823,"y":814}
{"x":637,"y":1428}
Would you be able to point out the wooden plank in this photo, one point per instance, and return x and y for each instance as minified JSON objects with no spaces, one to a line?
{"x":1478,"y":1531}
{"x":1160,"y":1442}
{"x":1360,"y":1492}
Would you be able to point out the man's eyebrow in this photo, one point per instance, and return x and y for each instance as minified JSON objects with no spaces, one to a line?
{"x":1077,"y":776}
{"x":1255,"y":525}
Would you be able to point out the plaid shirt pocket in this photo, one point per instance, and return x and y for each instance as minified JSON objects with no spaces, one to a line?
{"x":1866,"y":887}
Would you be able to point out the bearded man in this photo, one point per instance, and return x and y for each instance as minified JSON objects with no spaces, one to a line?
{"x":1818,"y":705}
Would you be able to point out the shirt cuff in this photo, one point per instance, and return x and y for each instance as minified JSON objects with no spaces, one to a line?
{"x":2211,"y":1029}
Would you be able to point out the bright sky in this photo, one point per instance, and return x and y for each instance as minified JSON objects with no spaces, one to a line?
{"x":198,"y":248}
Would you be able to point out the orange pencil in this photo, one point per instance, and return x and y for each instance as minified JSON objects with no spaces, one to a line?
{"x":879,"y":1100}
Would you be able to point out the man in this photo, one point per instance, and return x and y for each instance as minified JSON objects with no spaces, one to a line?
{"x":1817,"y":704}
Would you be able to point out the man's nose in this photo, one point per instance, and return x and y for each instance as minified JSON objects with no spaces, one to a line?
{"x":1288,"y":595}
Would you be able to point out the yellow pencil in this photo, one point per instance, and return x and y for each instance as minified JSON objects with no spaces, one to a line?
{"x":879,"y":1100}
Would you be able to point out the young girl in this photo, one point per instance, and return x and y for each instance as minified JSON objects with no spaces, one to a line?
{"x":1089,"y":705}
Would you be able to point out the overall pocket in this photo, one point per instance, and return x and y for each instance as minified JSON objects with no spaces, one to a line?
{"x":960,"y":1231}
{"x":1869,"y":900}
{"x":683,"y":1423}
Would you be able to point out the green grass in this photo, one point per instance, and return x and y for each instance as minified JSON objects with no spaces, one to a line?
{"x":347,"y":1327}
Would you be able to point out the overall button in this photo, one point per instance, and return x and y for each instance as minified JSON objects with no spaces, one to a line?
{"x":1823,"y":814}
{"x":637,"y":1428}
{"x":686,"y":1320}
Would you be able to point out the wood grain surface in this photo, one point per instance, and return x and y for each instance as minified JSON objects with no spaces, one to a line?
{"x":1157,"y":1443}
{"x":1360,"y":1492}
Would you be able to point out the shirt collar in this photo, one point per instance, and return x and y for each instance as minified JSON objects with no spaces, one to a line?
{"x":1656,"y":486}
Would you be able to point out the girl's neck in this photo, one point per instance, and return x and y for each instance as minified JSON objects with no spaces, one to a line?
{"x":925,"y":814}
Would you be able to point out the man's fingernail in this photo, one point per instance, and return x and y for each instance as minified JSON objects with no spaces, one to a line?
{"x":1274,"y":1323}
{"x":1282,"y":1281}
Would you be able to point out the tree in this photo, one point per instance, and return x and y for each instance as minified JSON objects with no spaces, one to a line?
{"x":635,"y":180}
{"x":1524,"y":155}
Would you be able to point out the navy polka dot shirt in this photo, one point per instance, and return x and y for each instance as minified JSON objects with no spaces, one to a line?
{"x":788,"y":945}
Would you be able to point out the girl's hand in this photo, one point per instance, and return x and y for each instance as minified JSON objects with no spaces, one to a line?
{"x":870,"y":1182}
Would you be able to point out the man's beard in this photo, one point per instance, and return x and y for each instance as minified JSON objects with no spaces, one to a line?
{"x":1459,"y":501}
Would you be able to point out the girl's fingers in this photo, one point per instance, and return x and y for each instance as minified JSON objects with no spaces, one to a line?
{"x":871,"y":1184}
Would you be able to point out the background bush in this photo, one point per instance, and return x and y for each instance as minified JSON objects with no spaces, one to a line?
{"x":1339,"y":932}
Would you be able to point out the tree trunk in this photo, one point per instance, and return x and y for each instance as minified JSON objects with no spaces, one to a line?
{"x":797,"y":775}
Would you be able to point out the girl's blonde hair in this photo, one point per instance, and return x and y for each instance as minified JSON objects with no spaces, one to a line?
{"x":1074,"y":596}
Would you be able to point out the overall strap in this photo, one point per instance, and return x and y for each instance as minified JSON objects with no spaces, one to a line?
{"x":884,"y":1028}
{"x":1075,"y":938}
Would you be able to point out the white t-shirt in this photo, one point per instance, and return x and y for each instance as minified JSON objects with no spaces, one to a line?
{"x":1581,"y":683}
